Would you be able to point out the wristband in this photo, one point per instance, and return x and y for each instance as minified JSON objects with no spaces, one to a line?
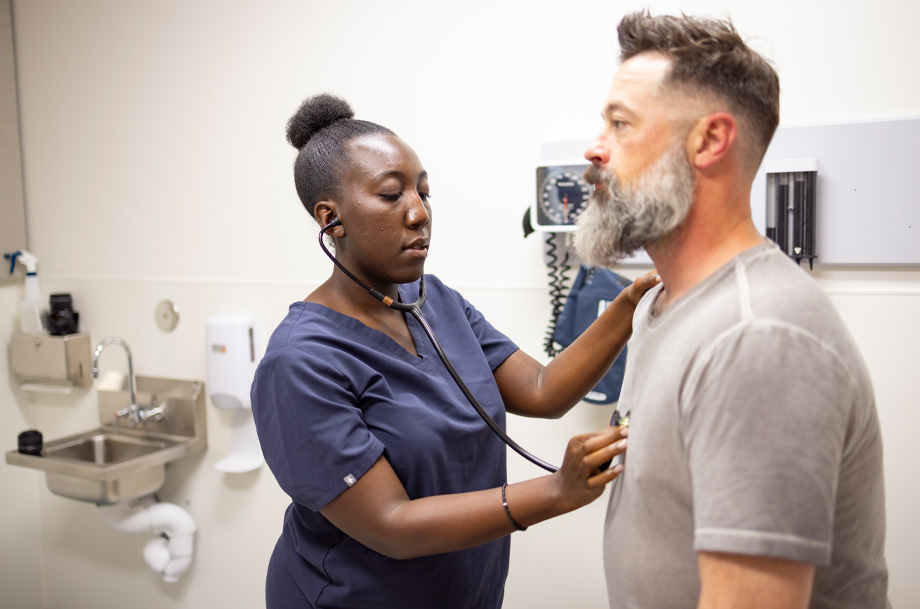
{"x":508,"y":512}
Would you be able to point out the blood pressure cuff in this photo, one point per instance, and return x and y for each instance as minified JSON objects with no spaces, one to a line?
{"x":593,"y":290}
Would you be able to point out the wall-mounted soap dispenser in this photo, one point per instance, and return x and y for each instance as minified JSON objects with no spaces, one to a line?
{"x":232,"y":361}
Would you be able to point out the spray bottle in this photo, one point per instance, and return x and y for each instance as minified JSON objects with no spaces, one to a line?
{"x":33,"y":309}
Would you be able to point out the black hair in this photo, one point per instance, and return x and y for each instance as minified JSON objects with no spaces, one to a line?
{"x":321,"y":129}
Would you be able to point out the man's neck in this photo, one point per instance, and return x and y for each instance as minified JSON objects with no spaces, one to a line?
{"x":697,"y":249}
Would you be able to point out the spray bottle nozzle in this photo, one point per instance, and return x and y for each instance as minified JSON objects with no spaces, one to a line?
{"x":28,"y":259}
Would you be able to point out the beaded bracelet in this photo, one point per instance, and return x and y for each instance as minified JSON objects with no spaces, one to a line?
{"x":508,"y":512}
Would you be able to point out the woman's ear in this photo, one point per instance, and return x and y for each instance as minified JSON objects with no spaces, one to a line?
{"x":711,"y":139}
{"x":324,"y":213}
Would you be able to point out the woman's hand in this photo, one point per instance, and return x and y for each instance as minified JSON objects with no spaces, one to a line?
{"x":378,"y":512}
{"x":580,"y":481}
{"x":530,"y":389}
{"x":641,"y":285}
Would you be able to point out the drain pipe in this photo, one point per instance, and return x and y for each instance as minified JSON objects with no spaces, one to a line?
{"x":169,"y":553}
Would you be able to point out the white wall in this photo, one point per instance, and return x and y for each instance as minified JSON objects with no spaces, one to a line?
{"x":156,"y":167}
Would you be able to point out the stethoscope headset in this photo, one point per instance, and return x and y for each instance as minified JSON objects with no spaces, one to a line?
{"x":415,"y":309}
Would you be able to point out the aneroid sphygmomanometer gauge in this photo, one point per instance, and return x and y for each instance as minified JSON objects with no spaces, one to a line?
{"x":562,"y":194}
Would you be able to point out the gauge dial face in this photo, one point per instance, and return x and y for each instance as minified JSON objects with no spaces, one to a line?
{"x":562,"y":194}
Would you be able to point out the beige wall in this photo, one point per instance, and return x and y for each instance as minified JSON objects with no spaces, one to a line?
{"x":156,"y":167}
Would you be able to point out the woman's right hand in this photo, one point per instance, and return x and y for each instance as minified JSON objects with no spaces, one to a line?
{"x":641,"y":285}
{"x":580,"y":481}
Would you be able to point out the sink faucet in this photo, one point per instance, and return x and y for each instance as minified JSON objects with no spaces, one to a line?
{"x":140,"y":414}
{"x":99,"y":348}
{"x":137,"y":414}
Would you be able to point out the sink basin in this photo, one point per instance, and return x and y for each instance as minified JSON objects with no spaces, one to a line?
{"x":104,"y":449}
{"x":106,"y":466}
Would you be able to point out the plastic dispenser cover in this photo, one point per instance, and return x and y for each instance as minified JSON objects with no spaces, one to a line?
{"x":231,"y":367}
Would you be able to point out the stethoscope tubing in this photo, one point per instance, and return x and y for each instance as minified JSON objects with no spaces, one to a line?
{"x":415,"y":309}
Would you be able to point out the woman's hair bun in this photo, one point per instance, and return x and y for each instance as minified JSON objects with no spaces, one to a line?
{"x":314,"y":114}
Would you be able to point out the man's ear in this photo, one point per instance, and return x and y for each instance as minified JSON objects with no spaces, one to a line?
{"x":711,"y":139}
{"x":324,"y":213}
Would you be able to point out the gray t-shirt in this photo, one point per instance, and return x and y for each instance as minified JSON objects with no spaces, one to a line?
{"x":753,"y":430}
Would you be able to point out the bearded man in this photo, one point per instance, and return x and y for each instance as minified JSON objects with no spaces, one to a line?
{"x":754,"y":471}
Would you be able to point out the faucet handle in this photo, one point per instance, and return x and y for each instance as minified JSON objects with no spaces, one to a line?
{"x":154,"y":413}
{"x":125,"y":412}
{"x":141,"y":414}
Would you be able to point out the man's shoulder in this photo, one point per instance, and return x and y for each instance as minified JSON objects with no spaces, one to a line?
{"x":777,"y":288}
{"x":783,"y":301}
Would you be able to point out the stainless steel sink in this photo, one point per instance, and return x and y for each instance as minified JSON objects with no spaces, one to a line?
{"x":104,"y":449}
{"x":105,"y":465}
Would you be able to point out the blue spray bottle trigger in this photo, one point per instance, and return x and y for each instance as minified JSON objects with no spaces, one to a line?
{"x":12,"y":258}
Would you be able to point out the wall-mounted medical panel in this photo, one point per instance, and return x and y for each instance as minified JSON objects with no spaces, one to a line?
{"x":867,"y":188}
{"x":867,"y":206}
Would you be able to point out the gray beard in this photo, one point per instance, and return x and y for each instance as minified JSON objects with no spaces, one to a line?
{"x":622,"y":219}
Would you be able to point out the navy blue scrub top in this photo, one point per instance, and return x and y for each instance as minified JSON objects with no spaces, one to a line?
{"x":332,"y":395}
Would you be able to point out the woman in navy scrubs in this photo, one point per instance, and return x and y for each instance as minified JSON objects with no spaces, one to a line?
{"x":397,"y":485}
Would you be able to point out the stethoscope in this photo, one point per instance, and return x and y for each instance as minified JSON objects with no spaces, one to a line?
{"x":415,"y":309}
